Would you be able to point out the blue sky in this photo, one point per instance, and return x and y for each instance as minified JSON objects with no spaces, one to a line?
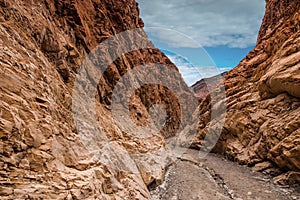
{"x":203,"y":32}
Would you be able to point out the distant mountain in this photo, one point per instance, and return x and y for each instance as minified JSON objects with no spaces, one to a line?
{"x":200,"y":87}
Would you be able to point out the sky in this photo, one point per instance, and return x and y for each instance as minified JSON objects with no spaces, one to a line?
{"x":203,"y":33}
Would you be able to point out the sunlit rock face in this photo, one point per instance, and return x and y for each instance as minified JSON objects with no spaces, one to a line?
{"x":263,"y":99}
{"x":42,"y":151}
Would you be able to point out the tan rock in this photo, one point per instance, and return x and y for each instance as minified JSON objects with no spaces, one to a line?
{"x":5,"y":191}
{"x":42,"y":49}
{"x":259,"y":167}
{"x":288,"y":178}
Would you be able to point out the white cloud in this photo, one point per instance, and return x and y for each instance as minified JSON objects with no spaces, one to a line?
{"x":171,"y":37}
{"x":225,"y":69}
{"x":234,"y":23}
{"x":190,"y":73}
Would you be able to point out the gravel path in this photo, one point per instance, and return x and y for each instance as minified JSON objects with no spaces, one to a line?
{"x":214,"y":178}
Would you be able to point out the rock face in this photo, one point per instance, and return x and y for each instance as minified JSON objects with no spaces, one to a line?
{"x":200,"y":87}
{"x":42,"y":155}
{"x":263,"y":100}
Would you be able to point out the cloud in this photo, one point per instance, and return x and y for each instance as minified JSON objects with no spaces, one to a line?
{"x":171,"y":38}
{"x":190,"y":73}
{"x":233,"y":23}
{"x":225,"y":69}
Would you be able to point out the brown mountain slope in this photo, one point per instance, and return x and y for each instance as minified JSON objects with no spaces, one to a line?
{"x":263,"y":98}
{"x":200,"y":87}
{"x":42,"y":152}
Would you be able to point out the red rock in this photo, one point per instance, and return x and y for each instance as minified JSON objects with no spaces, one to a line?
{"x":43,"y":44}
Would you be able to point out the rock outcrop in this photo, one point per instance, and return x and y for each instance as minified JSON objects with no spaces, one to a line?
{"x":262,"y":125}
{"x":200,"y":88}
{"x":42,"y":155}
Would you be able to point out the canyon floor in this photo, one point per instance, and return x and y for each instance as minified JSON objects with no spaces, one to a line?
{"x":194,"y":177}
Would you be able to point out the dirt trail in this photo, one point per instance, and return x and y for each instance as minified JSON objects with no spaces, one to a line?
{"x":214,"y":178}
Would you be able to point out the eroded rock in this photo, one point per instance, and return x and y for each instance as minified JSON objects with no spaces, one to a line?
{"x":42,"y":154}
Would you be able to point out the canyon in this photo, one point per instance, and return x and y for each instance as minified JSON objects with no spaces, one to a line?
{"x":63,"y":64}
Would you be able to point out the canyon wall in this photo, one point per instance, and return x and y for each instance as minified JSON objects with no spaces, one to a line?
{"x":42,"y":152}
{"x":262,"y":127}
